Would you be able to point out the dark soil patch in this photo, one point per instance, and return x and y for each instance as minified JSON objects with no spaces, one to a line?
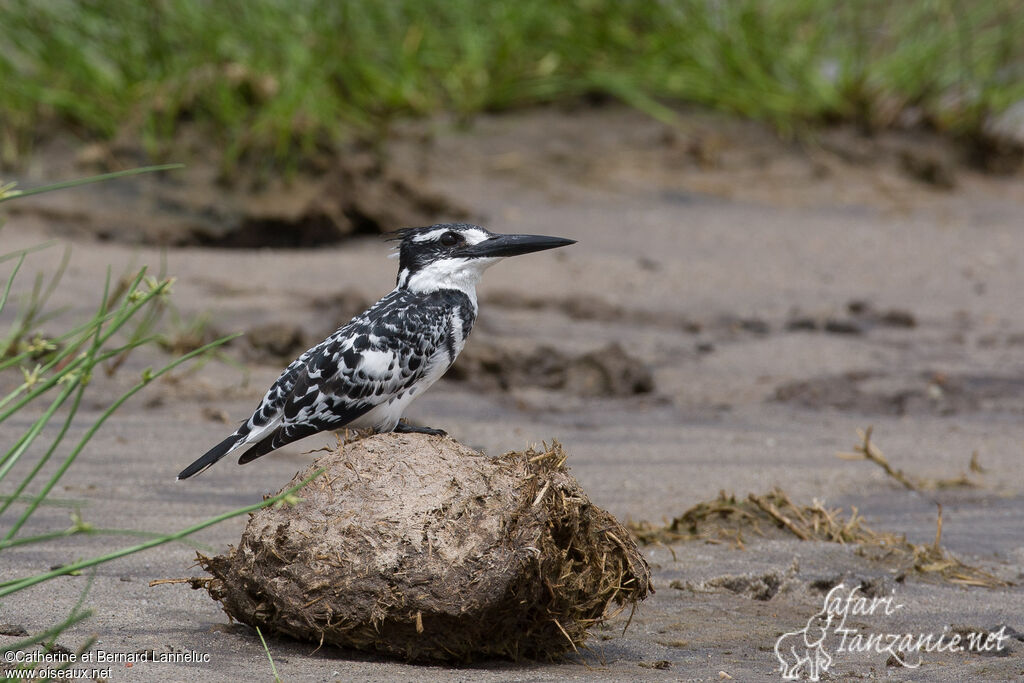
{"x":369,"y":188}
{"x":357,"y":193}
{"x":861,"y":317}
{"x":606,"y":372}
{"x":14,"y":630}
{"x":335,"y":310}
{"x":281,"y":342}
{"x":929,"y":393}
{"x":841,"y":392}
{"x":276,"y":340}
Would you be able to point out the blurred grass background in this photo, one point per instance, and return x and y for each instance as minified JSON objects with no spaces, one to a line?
{"x":282,"y":78}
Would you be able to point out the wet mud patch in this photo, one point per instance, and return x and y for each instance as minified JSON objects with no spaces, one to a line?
{"x":858,"y":318}
{"x":927,"y":393}
{"x":841,"y":392}
{"x":606,"y":372}
{"x":335,"y":310}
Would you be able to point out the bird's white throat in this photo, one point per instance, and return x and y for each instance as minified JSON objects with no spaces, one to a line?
{"x":461,"y":274}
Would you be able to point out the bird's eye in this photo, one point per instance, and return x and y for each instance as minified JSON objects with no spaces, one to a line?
{"x":450,"y":239}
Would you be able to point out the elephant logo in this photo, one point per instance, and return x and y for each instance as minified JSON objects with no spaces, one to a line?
{"x":803,"y":652}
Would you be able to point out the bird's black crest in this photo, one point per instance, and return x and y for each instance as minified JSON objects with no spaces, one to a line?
{"x":402,"y":234}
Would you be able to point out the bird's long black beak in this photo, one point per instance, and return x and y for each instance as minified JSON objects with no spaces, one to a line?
{"x":514,"y":245}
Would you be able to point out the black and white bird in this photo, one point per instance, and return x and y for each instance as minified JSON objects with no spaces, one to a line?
{"x":367,"y":373}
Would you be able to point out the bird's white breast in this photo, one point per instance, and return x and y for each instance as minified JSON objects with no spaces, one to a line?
{"x":386,"y":415}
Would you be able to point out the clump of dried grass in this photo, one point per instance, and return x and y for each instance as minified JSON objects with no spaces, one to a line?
{"x":727,"y":518}
{"x":424,"y":549}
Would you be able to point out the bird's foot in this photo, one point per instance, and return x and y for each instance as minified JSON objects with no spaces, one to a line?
{"x":405,"y":428}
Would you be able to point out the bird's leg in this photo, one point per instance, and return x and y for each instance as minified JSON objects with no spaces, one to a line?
{"x":405,"y":428}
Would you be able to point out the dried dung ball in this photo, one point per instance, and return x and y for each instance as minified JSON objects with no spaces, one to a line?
{"x":422,"y":548}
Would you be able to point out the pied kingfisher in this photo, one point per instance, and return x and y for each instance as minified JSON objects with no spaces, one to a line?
{"x":367,"y":373}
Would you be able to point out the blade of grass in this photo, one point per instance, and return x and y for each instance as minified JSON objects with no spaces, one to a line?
{"x":47,"y":634}
{"x":273,"y":668}
{"x":21,"y":584}
{"x":46,"y":456}
{"x":81,"y":529}
{"x":92,"y":179}
{"x":21,"y":445}
{"x":77,"y":608}
{"x":87,"y":330}
{"x":55,"y":279}
{"x":52,"y":502}
{"x":74,"y":378}
{"x":122,"y":315}
{"x":7,"y":289}
{"x":72,"y":365}
{"x":147,"y":377}
{"x":67,"y":370}
{"x":26,"y":251}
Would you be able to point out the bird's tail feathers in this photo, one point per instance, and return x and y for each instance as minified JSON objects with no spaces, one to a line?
{"x":261,"y":447}
{"x":213,"y":455}
{"x":246,"y":434}
{"x":269,"y":440}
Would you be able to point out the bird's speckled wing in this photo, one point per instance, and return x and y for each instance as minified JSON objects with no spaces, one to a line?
{"x":372,"y":360}
{"x":369,"y":369}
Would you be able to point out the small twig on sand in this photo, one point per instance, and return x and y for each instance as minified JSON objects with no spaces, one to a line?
{"x":196,"y":581}
{"x":868,"y":451}
{"x":975,"y":466}
{"x":567,"y":637}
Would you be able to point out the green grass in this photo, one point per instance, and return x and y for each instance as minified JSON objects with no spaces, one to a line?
{"x":280,"y":78}
{"x":273,"y":667}
{"x":46,"y":379}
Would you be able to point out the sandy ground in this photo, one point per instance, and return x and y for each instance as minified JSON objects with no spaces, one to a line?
{"x":731,"y":281}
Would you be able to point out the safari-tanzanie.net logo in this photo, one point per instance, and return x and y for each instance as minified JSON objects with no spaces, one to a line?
{"x":812,"y":650}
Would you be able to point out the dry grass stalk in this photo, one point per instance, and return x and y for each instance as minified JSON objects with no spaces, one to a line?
{"x":868,"y":451}
{"x":775,"y":514}
{"x":975,"y":466}
{"x":193,"y":581}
